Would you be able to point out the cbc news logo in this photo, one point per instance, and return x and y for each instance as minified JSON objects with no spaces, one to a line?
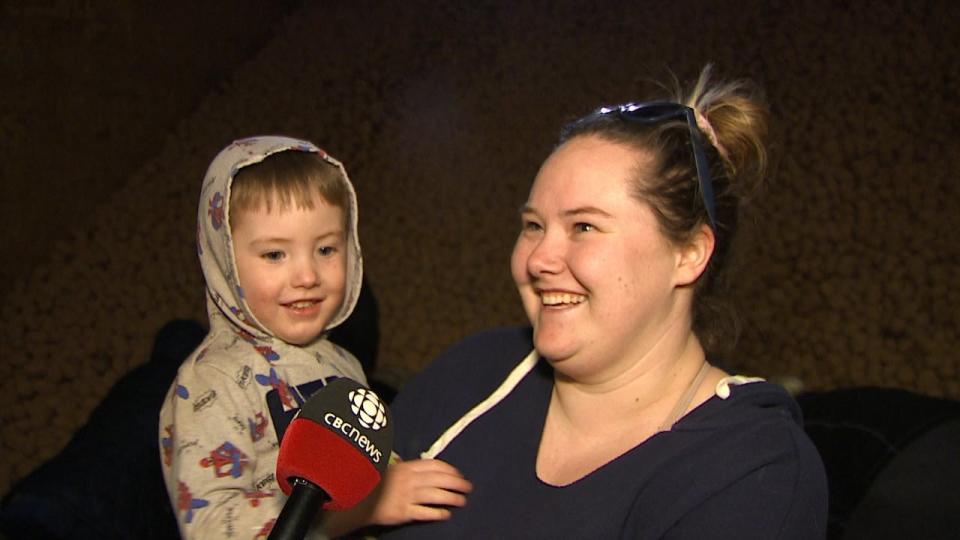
{"x":368,"y":408}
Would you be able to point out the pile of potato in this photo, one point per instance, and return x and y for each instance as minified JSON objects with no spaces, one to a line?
{"x":847,"y":267}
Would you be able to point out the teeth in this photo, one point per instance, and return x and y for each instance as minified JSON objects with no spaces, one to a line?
{"x":301,"y":305}
{"x":554,"y":299}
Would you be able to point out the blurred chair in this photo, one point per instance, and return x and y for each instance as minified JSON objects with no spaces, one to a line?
{"x":107,"y":482}
{"x":893,"y":462}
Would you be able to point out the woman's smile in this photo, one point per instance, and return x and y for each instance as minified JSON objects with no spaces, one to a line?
{"x":561,"y":299}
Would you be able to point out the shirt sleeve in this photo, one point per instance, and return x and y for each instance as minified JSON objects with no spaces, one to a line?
{"x":783,"y":499}
{"x":214,"y":434}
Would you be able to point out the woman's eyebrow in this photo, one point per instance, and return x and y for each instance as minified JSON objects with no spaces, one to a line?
{"x":586,"y":210}
{"x":573,"y":212}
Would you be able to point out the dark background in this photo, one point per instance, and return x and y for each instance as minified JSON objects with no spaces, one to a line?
{"x":111,"y":111}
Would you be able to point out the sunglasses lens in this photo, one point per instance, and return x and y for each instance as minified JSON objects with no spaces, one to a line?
{"x":651,"y":112}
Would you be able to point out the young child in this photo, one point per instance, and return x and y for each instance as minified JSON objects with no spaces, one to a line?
{"x":277,"y":239}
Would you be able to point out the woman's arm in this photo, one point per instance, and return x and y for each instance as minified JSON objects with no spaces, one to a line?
{"x":785,"y":499}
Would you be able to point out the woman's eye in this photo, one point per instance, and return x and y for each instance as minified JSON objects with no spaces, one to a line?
{"x":584,"y":227}
{"x":273,"y":255}
{"x":531,"y":226}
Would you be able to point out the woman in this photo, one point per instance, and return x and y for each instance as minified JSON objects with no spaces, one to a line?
{"x":607,"y":420}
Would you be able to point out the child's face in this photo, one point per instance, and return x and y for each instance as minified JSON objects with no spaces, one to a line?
{"x":292,"y":267}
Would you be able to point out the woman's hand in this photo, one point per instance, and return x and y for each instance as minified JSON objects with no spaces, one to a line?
{"x":419,"y":490}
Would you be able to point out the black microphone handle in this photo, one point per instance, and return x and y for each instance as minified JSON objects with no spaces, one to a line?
{"x":299,"y":511}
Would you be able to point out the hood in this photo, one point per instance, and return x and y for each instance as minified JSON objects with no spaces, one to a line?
{"x":215,"y":240}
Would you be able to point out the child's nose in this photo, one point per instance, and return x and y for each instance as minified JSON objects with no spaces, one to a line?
{"x":306,"y":275}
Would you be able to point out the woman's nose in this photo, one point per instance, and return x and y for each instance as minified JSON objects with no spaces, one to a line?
{"x":546,"y":256}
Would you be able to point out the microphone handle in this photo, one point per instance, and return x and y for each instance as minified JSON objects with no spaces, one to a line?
{"x":299,"y":511}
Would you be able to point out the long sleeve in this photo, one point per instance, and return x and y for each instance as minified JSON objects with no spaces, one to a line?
{"x":219,"y":456}
{"x":781,"y":499}
{"x":220,"y":427}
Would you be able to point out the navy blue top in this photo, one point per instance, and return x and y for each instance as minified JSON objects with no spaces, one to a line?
{"x":735,"y":468}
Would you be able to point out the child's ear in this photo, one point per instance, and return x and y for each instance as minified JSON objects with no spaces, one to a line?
{"x":693,"y":257}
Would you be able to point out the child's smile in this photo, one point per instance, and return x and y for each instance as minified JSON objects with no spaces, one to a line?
{"x":292,"y":267}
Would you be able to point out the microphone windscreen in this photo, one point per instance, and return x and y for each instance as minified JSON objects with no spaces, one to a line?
{"x":340,"y":441}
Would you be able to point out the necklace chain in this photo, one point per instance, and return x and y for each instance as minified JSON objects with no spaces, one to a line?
{"x":685,"y":399}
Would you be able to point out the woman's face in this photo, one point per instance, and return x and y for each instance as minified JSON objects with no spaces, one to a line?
{"x":596,"y":276}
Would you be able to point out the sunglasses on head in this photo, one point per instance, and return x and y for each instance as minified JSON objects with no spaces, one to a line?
{"x":654,"y":112}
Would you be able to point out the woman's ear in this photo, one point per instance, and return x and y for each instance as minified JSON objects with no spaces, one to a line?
{"x":694,"y":256}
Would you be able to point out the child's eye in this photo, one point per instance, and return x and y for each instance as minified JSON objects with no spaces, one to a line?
{"x":583,"y":227}
{"x":327,"y":250}
{"x":273,"y":255}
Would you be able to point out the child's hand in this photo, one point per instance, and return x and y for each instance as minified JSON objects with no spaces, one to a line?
{"x":419,"y":490}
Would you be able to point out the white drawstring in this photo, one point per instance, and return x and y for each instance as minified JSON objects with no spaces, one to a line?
{"x":507,"y":386}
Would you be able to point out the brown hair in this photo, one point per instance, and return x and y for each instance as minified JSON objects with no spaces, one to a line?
{"x":289,"y":178}
{"x":737,"y":115}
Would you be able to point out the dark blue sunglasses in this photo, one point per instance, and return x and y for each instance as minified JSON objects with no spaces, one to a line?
{"x":654,"y":112}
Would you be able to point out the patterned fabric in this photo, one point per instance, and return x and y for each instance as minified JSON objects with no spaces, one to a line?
{"x":215,"y":242}
{"x":224,"y":415}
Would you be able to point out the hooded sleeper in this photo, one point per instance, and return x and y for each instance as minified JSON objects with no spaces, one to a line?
{"x":224,"y":415}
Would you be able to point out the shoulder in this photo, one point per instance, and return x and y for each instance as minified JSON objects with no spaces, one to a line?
{"x":748,"y":456}
{"x":216,"y":366}
{"x":744,"y":402}
{"x":337,"y":358}
{"x":772,"y":423}
{"x":759,"y":417}
{"x":214,"y":358}
{"x":459,"y":378}
{"x":500,"y":340}
{"x":758,"y":427}
{"x":473,"y":367}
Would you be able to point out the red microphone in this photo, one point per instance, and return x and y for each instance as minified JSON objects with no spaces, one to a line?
{"x":332,"y":455}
